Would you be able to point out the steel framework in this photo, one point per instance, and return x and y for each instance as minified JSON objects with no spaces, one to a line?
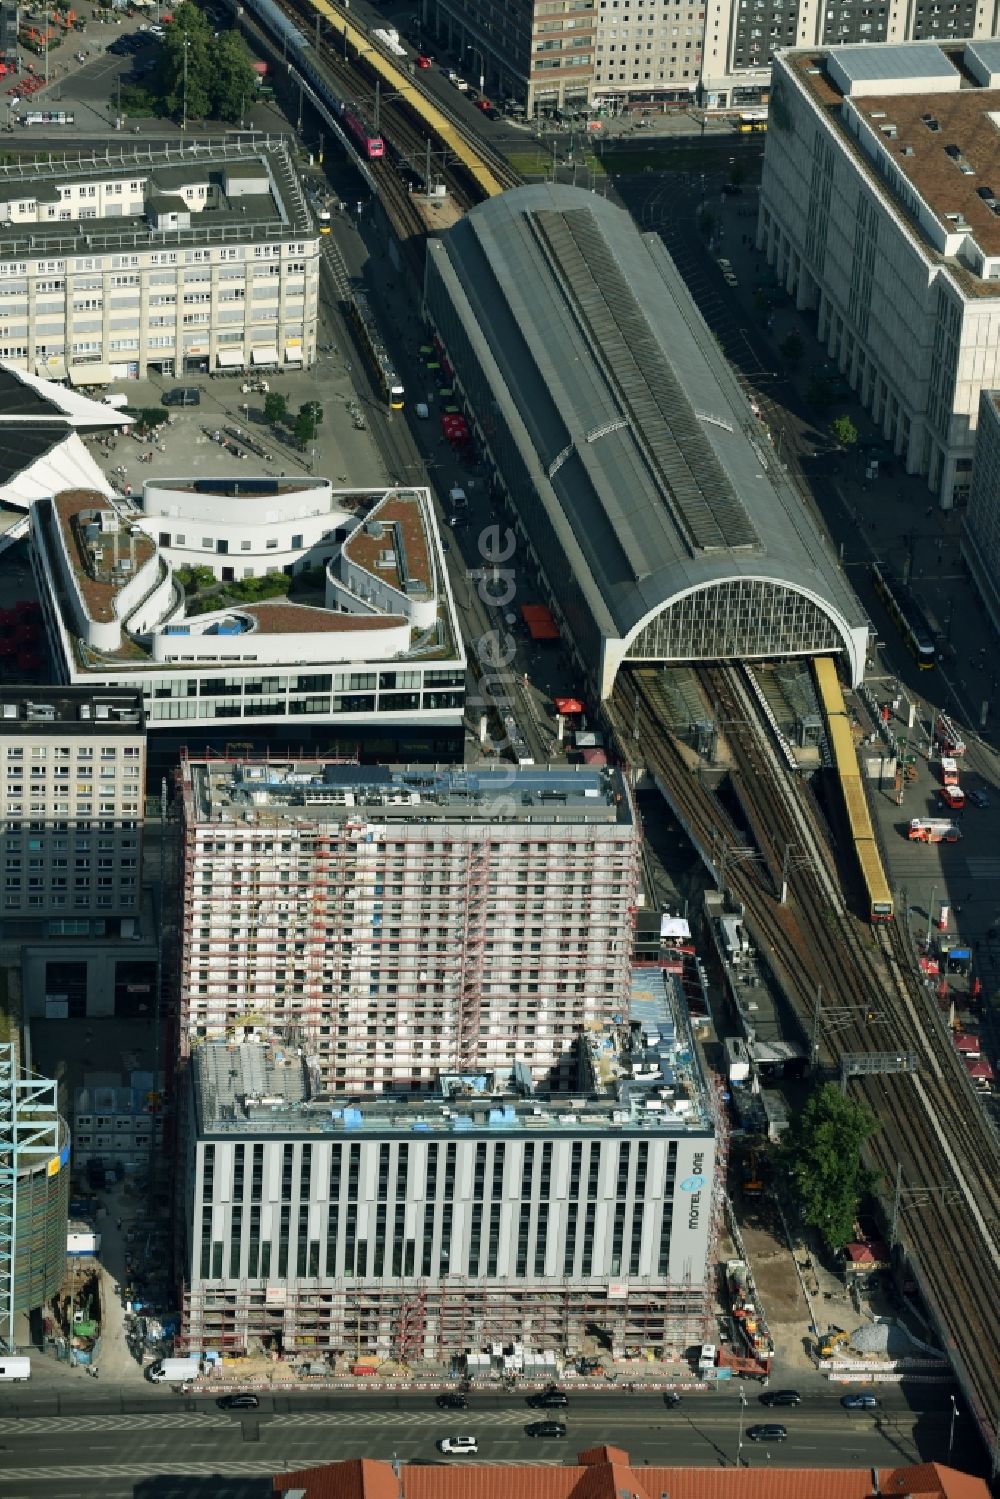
{"x":29,"y":1122}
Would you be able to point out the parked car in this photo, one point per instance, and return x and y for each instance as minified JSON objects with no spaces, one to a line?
{"x":452,"y":1400}
{"x":423,"y":62}
{"x":182,"y":395}
{"x":978,"y":798}
{"x":767,"y":1433}
{"x":548,"y":1400}
{"x":545,"y":1429}
{"x":237,"y":1402}
{"x":458,"y":1444}
{"x":780,"y":1397}
{"x":862,"y":1402}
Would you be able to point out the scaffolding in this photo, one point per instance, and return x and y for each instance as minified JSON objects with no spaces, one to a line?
{"x":436,"y":1320}
{"x":29,"y":1145}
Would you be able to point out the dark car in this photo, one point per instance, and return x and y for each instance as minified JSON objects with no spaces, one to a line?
{"x":978,"y":798}
{"x":452,"y":1401}
{"x":545,"y":1429}
{"x":183,"y":395}
{"x":237,"y":1402}
{"x":548,"y":1400}
{"x":767,"y":1433}
{"x":780,"y":1397}
{"x":859,"y":1402}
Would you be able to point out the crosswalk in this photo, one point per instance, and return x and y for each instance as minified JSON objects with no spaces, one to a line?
{"x":983,"y":866}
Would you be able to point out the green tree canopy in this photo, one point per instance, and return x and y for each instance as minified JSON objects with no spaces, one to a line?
{"x":822,"y":1156}
{"x":234,"y":81}
{"x":188,"y":34}
{"x":275,"y":408}
{"x":305,"y":423}
{"x":792,"y":347}
{"x":844,"y":431}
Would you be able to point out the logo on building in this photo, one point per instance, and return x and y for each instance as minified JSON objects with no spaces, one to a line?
{"x":693,"y":1184}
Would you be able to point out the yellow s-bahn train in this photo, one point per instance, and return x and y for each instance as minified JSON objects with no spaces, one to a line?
{"x":845,"y":759}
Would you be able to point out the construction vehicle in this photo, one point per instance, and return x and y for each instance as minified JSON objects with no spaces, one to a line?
{"x":831,"y":1340}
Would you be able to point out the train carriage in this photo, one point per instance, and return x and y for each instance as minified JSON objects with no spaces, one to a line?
{"x":907,"y":615}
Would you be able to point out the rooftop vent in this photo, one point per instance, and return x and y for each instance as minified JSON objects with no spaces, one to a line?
{"x":953,"y":151}
{"x":931,"y":123}
{"x":986,"y":193}
{"x":906,"y":151}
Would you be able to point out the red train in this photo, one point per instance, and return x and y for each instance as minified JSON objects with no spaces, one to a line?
{"x":367,"y":138}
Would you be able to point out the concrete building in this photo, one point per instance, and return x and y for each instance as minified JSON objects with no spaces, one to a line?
{"x":878,"y":213}
{"x":482,"y":1211}
{"x":645,"y":505}
{"x":118,"y":1123}
{"x":568,"y":57}
{"x":372,"y":655}
{"x":71,"y":806}
{"x":741,"y":39}
{"x":402,"y":923}
{"x":981,"y":532}
{"x":171,"y":262}
{"x":531,"y":51}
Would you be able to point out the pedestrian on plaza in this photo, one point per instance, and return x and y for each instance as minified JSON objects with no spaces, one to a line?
{"x":118,"y":1225}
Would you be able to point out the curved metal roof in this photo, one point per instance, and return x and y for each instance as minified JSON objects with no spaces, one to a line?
{"x":652,"y":468}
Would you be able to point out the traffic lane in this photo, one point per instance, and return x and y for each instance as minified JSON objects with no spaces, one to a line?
{"x":97,"y":1399}
{"x":687,"y":1441}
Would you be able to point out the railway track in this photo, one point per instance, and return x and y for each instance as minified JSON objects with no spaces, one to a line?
{"x":932,"y":1130}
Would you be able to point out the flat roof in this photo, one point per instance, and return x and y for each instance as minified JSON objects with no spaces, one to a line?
{"x":281,"y":212}
{"x":862,"y":67}
{"x":102,"y":568}
{"x":944,"y":143}
{"x":315,"y":790}
{"x":651,"y":467}
{"x":640,"y":1074}
{"x":47,"y":710}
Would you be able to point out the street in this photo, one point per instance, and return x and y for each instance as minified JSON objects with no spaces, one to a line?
{"x":122,"y":1443}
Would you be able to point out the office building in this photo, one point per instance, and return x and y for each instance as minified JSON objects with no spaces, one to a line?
{"x":119,"y":1123}
{"x":608,"y":1473}
{"x":647,"y":58}
{"x":535,"y":53}
{"x":366,"y":647}
{"x":981,"y":531}
{"x":878,"y":213}
{"x":742,"y":39}
{"x":402,"y":923}
{"x":482,"y":1211}
{"x":650,"y":514}
{"x":71,"y":806}
{"x":157,"y":262}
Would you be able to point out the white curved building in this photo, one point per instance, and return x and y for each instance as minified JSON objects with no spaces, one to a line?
{"x":647,"y":501}
{"x":374,"y":640}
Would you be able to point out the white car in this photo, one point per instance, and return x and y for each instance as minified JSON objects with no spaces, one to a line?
{"x":458,"y":1444}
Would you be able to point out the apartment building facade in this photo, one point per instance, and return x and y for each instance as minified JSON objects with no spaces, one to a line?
{"x":742,"y":37}
{"x":482,"y":1211}
{"x":406,"y":922}
{"x":877,"y":213}
{"x":168,"y":264}
{"x":71,"y":806}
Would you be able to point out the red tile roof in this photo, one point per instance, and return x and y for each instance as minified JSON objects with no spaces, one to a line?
{"x":605,"y":1473}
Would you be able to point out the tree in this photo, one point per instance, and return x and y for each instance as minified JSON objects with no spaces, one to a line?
{"x":822,"y":1156}
{"x":315,"y":410}
{"x":187,"y":89}
{"x":844,"y":431}
{"x":275,"y":409}
{"x":792,"y":347}
{"x":304,"y":425}
{"x":234,"y":82}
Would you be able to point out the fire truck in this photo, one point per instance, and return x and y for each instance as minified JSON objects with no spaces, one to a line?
{"x":933,"y":830}
{"x":947,"y":736}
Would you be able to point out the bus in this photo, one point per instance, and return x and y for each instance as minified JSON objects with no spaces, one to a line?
{"x":48,"y":117}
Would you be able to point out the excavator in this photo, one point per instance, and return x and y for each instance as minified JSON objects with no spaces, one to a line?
{"x":831,"y":1340}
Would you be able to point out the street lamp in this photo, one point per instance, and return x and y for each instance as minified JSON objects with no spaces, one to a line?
{"x":476,"y":52}
{"x":951,"y":1429}
{"x":739,"y":1443}
{"x":184,"y":115}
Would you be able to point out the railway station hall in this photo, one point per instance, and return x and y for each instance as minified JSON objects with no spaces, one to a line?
{"x":651,"y":515}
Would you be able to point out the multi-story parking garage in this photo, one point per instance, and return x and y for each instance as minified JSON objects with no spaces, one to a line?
{"x":646,"y":495}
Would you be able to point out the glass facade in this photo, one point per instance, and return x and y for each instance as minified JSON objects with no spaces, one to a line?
{"x":743,"y":618}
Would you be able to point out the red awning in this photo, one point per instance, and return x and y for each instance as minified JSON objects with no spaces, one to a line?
{"x":541,"y":625}
{"x":968,"y":1045}
{"x":568,"y":705}
{"x":979,"y":1068}
{"x":594,"y":757}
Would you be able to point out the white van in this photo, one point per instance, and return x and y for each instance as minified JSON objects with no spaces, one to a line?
{"x":458,"y":499}
{"x":12,"y":1369}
